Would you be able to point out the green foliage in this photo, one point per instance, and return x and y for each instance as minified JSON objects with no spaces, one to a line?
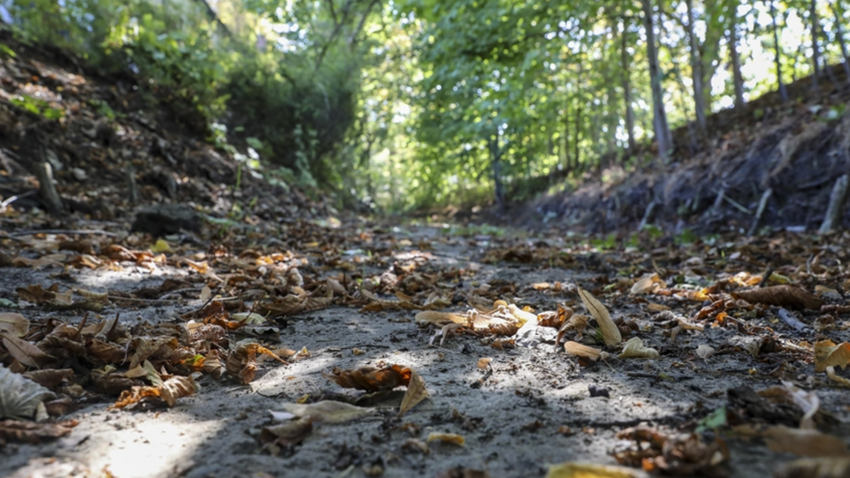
{"x":37,"y":107}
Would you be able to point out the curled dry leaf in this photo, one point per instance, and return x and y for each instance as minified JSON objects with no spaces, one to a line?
{"x":580,"y":350}
{"x":16,"y":325}
{"x":25,"y":352}
{"x":592,"y":470}
{"x":521,"y":315}
{"x":328,"y":411}
{"x":634,"y":348}
{"x":647,"y":284}
{"x":371,"y":379}
{"x":19,"y":396}
{"x":827,"y":354}
{"x":242,"y":362}
{"x":50,"y":378}
{"x":782,"y":296}
{"x":815,"y":468}
{"x":804,"y":442}
{"x":451,"y":438}
{"x":290,"y":433}
{"x":416,"y":392}
{"x":169,"y":392}
{"x":610,"y":332}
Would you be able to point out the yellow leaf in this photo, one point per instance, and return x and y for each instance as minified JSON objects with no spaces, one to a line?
{"x":827,"y":354}
{"x":447,"y":438}
{"x":161,"y":247}
{"x":610,"y":332}
{"x":591,"y":470}
{"x":580,"y":350}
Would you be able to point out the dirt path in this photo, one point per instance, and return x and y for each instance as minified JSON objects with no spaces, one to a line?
{"x":531,"y":406}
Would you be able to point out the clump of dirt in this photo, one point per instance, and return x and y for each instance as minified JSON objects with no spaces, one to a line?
{"x":797,"y":149}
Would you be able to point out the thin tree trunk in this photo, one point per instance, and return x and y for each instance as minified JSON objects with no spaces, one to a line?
{"x":813,"y":14}
{"x":778,"y":58}
{"x":496,"y":165}
{"x":662,"y":129}
{"x":737,"y":77}
{"x":627,"y":90}
{"x":577,"y":137}
{"x":839,"y":34}
{"x":696,"y":70}
{"x":567,"y":136}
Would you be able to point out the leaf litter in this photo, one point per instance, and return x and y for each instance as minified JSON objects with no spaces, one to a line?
{"x":661,"y":317}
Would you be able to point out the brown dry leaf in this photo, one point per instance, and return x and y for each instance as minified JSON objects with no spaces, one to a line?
{"x":36,"y":294}
{"x":592,"y":470}
{"x":25,"y":352}
{"x":290,"y":433}
{"x":814,"y":468}
{"x":827,"y":354}
{"x":19,"y":396}
{"x":16,"y":325}
{"x":416,"y":392}
{"x":580,"y":350}
{"x":483,"y":363}
{"x":610,"y":332}
{"x":169,"y":392}
{"x":451,"y":438}
{"x":647,"y":284}
{"x":34,"y":433}
{"x":371,"y":379}
{"x":50,"y":378}
{"x":782,"y":296}
{"x":427,"y":317}
{"x":804,"y":442}
{"x":96,"y":296}
{"x":328,"y":411}
{"x":634,"y":348}
{"x":242,"y":362}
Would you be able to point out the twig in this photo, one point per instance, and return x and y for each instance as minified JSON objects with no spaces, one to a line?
{"x":134,"y":299}
{"x":737,"y":206}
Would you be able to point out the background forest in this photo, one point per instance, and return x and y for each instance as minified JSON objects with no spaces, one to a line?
{"x":420,"y":103}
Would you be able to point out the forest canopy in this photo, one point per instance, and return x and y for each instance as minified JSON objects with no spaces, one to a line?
{"x":411,"y":103}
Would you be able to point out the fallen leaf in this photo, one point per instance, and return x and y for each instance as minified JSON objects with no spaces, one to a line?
{"x":592,"y":470}
{"x":827,"y":354}
{"x":804,"y":442}
{"x":25,"y":352}
{"x":483,"y":363}
{"x":289,"y":433}
{"x":206,"y":294}
{"x":610,"y":332}
{"x":16,"y":325}
{"x":830,"y":373}
{"x":161,"y":247}
{"x":452,"y":438}
{"x":19,"y":396}
{"x":432,"y":317}
{"x":371,"y":379}
{"x":328,"y":411}
{"x":34,"y":433}
{"x":580,"y":350}
{"x":704,"y":351}
{"x":646,"y":284}
{"x":169,"y":392}
{"x":416,"y":392}
{"x":782,"y":296}
{"x":634,"y":348}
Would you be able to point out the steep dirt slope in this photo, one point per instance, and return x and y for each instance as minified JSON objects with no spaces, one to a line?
{"x":798,"y":149}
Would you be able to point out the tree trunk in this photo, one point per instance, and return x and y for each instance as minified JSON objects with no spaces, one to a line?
{"x":839,"y":34}
{"x":496,"y":165}
{"x":47,"y":190}
{"x":577,"y":137}
{"x":778,"y":58}
{"x":813,"y":14}
{"x":737,"y":77}
{"x":662,"y":129}
{"x":567,"y":135}
{"x":627,"y":90}
{"x":696,"y":70}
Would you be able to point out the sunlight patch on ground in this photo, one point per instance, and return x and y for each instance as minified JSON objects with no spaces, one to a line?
{"x":151,"y":445}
